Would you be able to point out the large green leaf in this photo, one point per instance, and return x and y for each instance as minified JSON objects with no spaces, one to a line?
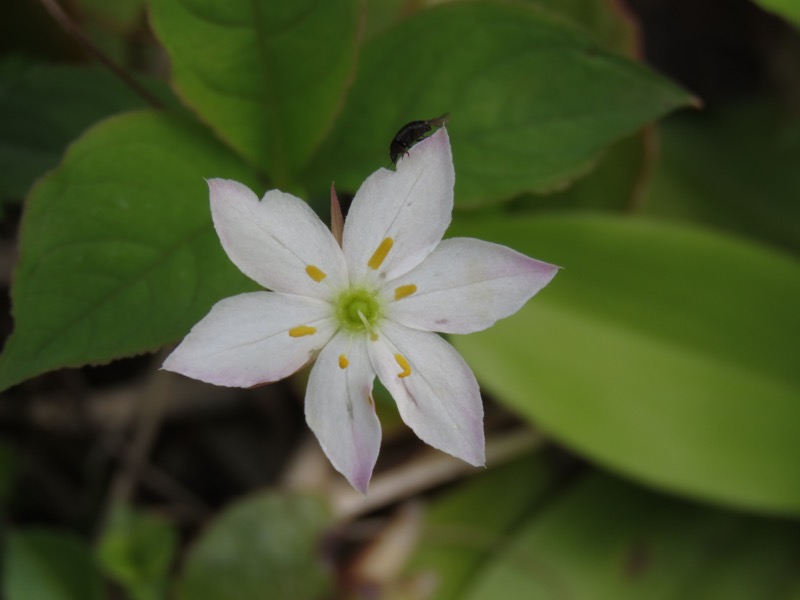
{"x":460,"y":535}
{"x":136,"y":550}
{"x":591,"y":536}
{"x":607,"y":21}
{"x":532,"y":101}
{"x":49,"y":566}
{"x":34,"y":129}
{"x":117,"y":252}
{"x":666,"y":353}
{"x":263,"y":547}
{"x":609,"y":541}
{"x":734,"y":169}
{"x":616,"y":183}
{"x":267,"y":76}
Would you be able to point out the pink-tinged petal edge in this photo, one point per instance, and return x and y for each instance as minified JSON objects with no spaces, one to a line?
{"x":339,"y":409}
{"x":466,"y":285}
{"x":244,"y":340}
{"x":440,"y":400}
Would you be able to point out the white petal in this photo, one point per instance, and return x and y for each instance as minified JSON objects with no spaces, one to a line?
{"x":466,"y":285}
{"x":412,"y":206}
{"x":274,"y":241}
{"x":339,"y":409}
{"x":439,"y":399}
{"x":245,"y":341}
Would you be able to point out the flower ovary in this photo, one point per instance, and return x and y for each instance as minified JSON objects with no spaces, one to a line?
{"x":358,"y":310}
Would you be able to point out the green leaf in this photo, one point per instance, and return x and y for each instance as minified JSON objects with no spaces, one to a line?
{"x":267,"y":76}
{"x":617,"y":182}
{"x":263,"y":547}
{"x":788,"y":9}
{"x":35,"y":130}
{"x":665,"y":353}
{"x":460,"y":535}
{"x":49,"y":566}
{"x":136,"y":550}
{"x":604,"y":539}
{"x":735,"y":169}
{"x":532,"y":101}
{"x":608,"y":22}
{"x":117,"y":252}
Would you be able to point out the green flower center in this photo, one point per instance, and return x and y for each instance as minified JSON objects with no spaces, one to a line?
{"x":357,"y":310}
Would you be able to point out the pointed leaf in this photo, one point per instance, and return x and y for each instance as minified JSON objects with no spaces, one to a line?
{"x":460,"y":535}
{"x":734,"y":169}
{"x":607,"y":540}
{"x":263,"y":547}
{"x":46,"y":565}
{"x":34,"y":130}
{"x":136,"y":550}
{"x":617,"y":183}
{"x":117,"y":252}
{"x":609,"y":22}
{"x":267,"y":76}
{"x":666,"y":353}
{"x":532,"y":101}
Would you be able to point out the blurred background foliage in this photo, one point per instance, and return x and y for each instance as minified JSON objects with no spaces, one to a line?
{"x":642,"y":411}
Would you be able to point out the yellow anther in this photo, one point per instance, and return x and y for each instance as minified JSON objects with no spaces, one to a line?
{"x":404,"y":290}
{"x":401,"y":360}
{"x":315,"y":273}
{"x":302,"y":330}
{"x":380,"y":254}
{"x":343,"y":362}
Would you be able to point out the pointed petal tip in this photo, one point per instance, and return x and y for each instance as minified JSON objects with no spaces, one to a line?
{"x":479,"y":460}
{"x":360,"y":477}
{"x":361,"y":485}
{"x":438,"y":142}
{"x":477,"y":455}
{"x":540,"y":273}
{"x":169,"y":363}
{"x":218,"y":186}
{"x":440,"y":139}
{"x":544,"y":270}
{"x":216,"y":183}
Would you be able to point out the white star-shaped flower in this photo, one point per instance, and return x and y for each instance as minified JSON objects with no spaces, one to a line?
{"x":369,"y":307}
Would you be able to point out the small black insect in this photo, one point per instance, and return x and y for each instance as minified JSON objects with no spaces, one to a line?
{"x":410,"y":134}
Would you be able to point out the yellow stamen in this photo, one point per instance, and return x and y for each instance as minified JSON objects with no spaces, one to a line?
{"x":343,"y":362}
{"x":302,"y":330}
{"x":404,"y":290}
{"x":380,"y":254}
{"x":315,"y":273}
{"x":401,"y":360}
